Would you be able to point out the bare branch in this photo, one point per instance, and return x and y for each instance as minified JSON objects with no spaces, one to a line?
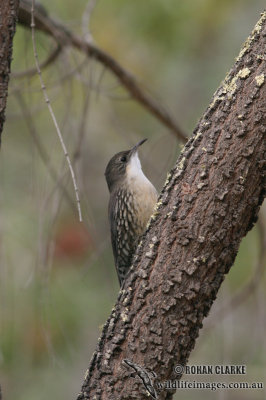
{"x":63,"y":36}
{"x":52,"y":113}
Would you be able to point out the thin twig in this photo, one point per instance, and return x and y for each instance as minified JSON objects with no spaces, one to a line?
{"x":51,"y":111}
{"x":65,"y":37}
{"x":86,"y":20}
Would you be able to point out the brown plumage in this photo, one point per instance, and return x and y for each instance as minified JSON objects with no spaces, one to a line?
{"x":132,"y":199}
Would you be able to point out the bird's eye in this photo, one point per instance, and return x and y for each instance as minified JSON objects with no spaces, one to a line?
{"x":123,"y":159}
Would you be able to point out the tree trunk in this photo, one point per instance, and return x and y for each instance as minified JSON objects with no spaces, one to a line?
{"x":8,"y":18}
{"x":209,"y":202}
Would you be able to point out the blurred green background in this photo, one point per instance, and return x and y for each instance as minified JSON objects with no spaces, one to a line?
{"x":57,"y":278}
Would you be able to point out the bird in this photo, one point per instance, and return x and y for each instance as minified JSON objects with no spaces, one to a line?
{"x":131,"y":203}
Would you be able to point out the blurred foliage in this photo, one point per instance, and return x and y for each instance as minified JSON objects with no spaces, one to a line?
{"x":57,"y":279}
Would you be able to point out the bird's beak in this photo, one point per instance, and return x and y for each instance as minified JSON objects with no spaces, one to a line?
{"x":135,"y":148}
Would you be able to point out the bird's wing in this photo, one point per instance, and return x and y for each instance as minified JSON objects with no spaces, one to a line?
{"x":112,"y":214}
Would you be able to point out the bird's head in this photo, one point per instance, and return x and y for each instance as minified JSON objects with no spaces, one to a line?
{"x":122,"y":165}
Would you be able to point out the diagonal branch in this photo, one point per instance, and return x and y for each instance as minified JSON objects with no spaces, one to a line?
{"x":209,"y":202}
{"x":63,"y":36}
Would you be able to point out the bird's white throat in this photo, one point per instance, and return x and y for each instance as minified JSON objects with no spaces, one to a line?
{"x":134,"y":171}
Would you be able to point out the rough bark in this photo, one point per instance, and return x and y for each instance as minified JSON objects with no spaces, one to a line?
{"x":209,"y":202}
{"x":8,"y":18}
